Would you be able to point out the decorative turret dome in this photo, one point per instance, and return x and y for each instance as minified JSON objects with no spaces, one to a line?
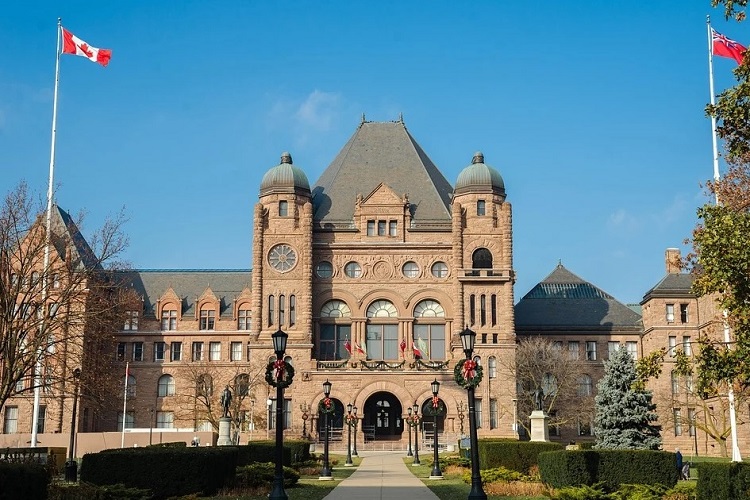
{"x":479,"y":178}
{"x":285,"y":178}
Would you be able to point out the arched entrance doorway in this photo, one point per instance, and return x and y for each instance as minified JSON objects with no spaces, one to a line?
{"x":335,"y":422}
{"x":429,"y":412}
{"x":382,"y":417}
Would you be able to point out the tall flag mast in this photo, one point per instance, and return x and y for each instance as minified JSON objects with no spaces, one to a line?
{"x":70,"y":45}
{"x":722,"y":46}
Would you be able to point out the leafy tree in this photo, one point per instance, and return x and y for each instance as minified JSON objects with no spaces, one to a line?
{"x":568,"y":396}
{"x":48,"y":312}
{"x":625,"y":416}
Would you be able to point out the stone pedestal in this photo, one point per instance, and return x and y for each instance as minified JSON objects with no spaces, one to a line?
{"x":225,"y":425}
{"x":539,"y":426}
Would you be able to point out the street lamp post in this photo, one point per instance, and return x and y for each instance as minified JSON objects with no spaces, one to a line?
{"x":356,"y":424}
{"x":326,"y":472}
{"x":71,"y":467}
{"x":468,"y":337}
{"x":349,"y":435}
{"x":408,"y":421}
{"x":279,"y":339}
{"x":435,"y":410}
{"x":415,"y":409}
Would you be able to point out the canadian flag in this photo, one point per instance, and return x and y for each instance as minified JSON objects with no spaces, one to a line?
{"x":74,"y":45}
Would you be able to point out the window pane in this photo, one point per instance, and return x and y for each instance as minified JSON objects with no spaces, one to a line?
{"x":390,"y":342}
{"x":374,"y":342}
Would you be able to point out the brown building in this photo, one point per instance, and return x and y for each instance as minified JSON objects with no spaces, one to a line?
{"x":372,"y":272}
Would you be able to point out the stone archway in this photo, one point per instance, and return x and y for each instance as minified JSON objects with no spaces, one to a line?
{"x":335,"y":421}
{"x":382,"y":417}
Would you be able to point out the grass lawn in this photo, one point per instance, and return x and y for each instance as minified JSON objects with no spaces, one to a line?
{"x":309,"y":487}
{"x":453,"y":486}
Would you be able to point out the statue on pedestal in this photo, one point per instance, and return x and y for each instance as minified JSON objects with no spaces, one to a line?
{"x":226,"y":400}
{"x":539,"y":399}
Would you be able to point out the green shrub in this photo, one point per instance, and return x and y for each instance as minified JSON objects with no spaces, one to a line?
{"x":497,"y":475}
{"x":723,"y":481}
{"x":455,"y":461}
{"x":586,"y":445}
{"x":22,"y":481}
{"x":610,"y":467}
{"x":684,"y":490}
{"x":595,"y":492}
{"x":87,"y":491}
{"x":515,"y":455}
{"x":299,"y":448}
{"x":175,"y":444}
{"x":166,"y":472}
{"x":259,"y":474}
{"x":639,"y":492}
{"x":294,"y":451}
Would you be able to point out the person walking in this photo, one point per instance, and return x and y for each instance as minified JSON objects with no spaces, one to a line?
{"x":678,"y":456}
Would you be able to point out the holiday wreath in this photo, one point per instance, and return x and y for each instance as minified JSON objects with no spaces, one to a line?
{"x":467,"y":373}
{"x":326,"y":406}
{"x":279,"y":373}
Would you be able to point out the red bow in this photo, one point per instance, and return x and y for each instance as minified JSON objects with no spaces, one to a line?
{"x":435,"y":401}
{"x":327,"y":402}
{"x":279,"y":366}
{"x":470,"y":369}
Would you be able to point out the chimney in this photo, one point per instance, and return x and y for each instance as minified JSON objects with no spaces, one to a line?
{"x":673,"y":260}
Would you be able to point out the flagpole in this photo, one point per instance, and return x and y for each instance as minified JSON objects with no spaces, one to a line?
{"x":736,"y":456}
{"x":713,"y":100}
{"x":45,"y":274}
{"x":125,"y":404}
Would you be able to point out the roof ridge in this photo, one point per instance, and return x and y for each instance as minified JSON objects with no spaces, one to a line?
{"x":429,"y":169}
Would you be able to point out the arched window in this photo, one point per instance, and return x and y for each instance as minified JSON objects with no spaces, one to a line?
{"x":492,"y":366}
{"x":585,"y":385}
{"x":204,"y":385}
{"x":382,"y":331}
{"x":288,"y":360}
{"x":549,"y":384}
{"x":429,"y":329}
{"x":242,"y":384}
{"x":292,"y":310}
{"x":335,"y":330}
{"x":282,"y":310}
{"x":271,"y":310}
{"x":166,"y":386}
{"x":481,"y":259}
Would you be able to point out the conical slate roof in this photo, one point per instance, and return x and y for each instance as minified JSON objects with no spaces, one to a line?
{"x":564,"y":301}
{"x":381,"y":152}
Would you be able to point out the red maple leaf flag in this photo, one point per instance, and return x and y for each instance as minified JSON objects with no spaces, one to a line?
{"x":724,"y":47}
{"x":74,"y":45}
{"x":348,"y":347}
{"x":402,"y":345}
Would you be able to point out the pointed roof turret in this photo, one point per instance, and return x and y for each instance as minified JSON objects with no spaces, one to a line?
{"x":381,"y":152}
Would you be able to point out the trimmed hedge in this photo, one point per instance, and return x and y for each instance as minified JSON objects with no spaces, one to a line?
{"x":515,"y":455}
{"x":723,"y":481}
{"x":262,"y":474}
{"x":23,"y":481}
{"x":86,"y":491}
{"x":294,"y":451}
{"x":610,"y":467}
{"x":167,"y":472}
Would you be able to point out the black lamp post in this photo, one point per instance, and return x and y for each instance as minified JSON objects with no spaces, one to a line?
{"x":349,"y":435}
{"x":356,"y":424}
{"x":408,"y":421}
{"x":326,"y":472}
{"x":468,"y":337}
{"x":435,"y":385}
{"x":277,"y":491}
{"x":415,"y":409}
{"x":71,"y":467}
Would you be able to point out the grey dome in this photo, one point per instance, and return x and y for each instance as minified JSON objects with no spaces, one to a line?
{"x":479,"y":178}
{"x":284,"y":178}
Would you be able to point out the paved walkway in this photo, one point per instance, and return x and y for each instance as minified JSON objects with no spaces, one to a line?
{"x":381,"y":475}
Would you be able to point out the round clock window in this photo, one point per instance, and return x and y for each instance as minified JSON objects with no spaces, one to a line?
{"x":282,"y":257}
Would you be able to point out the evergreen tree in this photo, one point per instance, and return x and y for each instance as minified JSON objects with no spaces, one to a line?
{"x":625,"y":416}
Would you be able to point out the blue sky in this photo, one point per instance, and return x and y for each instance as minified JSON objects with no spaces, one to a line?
{"x":592,"y":112}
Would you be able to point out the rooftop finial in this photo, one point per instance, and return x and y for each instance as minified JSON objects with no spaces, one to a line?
{"x":401,"y":117}
{"x":363,"y":118}
{"x":478,"y":158}
{"x":286,"y":158}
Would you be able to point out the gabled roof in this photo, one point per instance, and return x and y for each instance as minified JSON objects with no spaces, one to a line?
{"x":563,"y":301}
{"x":672,"y":285}
{"x":189,"y":285}
{"x":381,"y":152}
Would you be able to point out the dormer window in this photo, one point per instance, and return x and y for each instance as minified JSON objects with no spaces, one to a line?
{"x":131,"y":321}
{"x":169,"y":319}
{"x":283,"y":208}
{"x":480,"y":207}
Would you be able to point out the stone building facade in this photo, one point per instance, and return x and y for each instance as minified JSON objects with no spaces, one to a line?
{"x":372,"y":272}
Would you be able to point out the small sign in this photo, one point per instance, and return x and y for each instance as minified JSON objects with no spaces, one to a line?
{"x":465,"y":443}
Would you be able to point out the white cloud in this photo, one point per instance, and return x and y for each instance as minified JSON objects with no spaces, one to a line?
{"x":622,"y":220}
{"x":318,"y":111}
{"x":309,"y":119}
